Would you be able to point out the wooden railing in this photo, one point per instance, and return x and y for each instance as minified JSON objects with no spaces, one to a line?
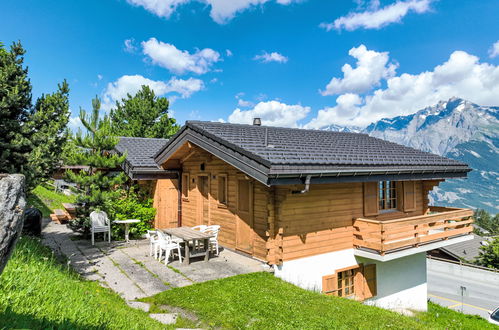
{"x":439,"y":224}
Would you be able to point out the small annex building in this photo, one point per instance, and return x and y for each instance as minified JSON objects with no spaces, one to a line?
{"x":342,"y":213}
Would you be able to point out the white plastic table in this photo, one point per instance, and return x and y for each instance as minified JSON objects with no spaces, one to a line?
{"x":127,"y":224}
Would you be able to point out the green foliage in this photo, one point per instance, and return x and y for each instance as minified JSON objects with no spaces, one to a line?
{"x":44,"y":198}
{"x":133,"y":205}
{"x":487,"y":221}
{"x":38,"y":292}
{"x":143,"y":115}
{"x":48,"y":134}
{"x":262,"y":301}
{"x":15,"y":104}
{"x":94,"y":149}
{"x":489,"y":254}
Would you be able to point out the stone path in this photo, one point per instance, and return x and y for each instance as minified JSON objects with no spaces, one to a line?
{"x":132,"y":273}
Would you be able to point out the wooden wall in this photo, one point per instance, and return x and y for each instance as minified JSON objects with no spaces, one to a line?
{"x":284,"y":226}
{"x":320,"y":221}
{"x":220,"y":214}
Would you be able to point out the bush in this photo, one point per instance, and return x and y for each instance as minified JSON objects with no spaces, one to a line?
{"x":133,"y":205}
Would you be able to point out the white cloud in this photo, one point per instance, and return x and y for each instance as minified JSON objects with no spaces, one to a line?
{"x":161,"y":8}
{"x":179,"y":61}
{"x":222,"y":11}
{"x":128,"y":84}
{"x":494,"y":50}
{"x":271,"y":57}
{"x":272,"y":113}
{"x":228,"y":52}
{"x":99,"y":76}
{"x":370,"y":68}
{"x":341,"y":114}
{"x":241,"y":102}
{"x":75,"y":123}
{"x":376,"y":18}
{"x":462,"y":75}
{"x":130,"y":45}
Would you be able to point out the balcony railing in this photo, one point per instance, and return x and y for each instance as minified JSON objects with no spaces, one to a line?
{"x":385,"y":236}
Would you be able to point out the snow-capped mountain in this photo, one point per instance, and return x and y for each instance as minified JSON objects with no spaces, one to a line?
{"x":338,"y":128}
{"x":456,"y":129}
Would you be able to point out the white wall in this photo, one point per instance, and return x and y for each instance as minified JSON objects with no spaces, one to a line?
{"x":307,"y":272}
{"x":401,"y":283}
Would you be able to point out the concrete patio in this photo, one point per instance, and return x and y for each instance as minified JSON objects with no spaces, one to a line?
{"x":131,"y":272}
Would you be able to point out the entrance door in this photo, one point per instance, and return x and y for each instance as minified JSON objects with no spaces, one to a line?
{"x":203,"y":201}
{"x":166,"y":203}
{"x":244,"y":217}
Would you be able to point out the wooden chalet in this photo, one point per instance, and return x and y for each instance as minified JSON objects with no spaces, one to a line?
{"x":330,"y":211}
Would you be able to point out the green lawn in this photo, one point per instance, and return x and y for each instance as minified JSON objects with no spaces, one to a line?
{"x":39,"y":292}
{"x":262,"y":301}
{"x":44,"y":198}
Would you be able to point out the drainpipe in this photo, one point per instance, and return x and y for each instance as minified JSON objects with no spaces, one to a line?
{"x":307,"y":186}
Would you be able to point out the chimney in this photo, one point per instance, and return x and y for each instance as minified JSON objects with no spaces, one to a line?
{"x":257,"y":122}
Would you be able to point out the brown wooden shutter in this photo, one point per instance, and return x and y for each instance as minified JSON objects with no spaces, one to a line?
{"x":359,"y":283}
{"x":371,"y":198}
{"x":409,"y":196}
{"x":370,"y":288}
{"x":330,"y":285}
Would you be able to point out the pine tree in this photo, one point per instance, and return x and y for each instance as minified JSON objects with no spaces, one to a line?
{"x":94,"y":149}
{"x":489,"y":254}
{"x":48,"y":132}
{"x":143,"y":115}
{"x":15,"y":103}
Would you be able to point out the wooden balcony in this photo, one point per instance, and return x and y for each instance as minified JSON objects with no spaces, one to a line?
{"x":385,"y":236}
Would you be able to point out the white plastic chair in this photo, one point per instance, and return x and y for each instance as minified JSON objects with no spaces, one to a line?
{"x":213,"y":240}
{"x":166,"y":244}
{"x":100,"y":224}
{"x":151,"y":235}
{"x":200,"y":227}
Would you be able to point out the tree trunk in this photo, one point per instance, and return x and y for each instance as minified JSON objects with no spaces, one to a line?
{"x":12,"y":204}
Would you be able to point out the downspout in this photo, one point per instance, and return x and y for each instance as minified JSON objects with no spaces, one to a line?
{"x":307,"y":186}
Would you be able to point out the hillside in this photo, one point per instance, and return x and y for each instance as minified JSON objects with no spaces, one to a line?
{"x":457,"y":129}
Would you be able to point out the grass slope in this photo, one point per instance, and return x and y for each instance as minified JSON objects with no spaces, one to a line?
{"x":46,"y":200}
{"x":262,"y":301}
{"x":38,"y":292}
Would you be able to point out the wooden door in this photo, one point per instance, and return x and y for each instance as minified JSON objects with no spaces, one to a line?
{"x":203,"y":204}
{"x":244,"y":216}
{"x":166,"y":203}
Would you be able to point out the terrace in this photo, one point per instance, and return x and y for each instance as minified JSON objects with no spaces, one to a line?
{"x":391,"y":239}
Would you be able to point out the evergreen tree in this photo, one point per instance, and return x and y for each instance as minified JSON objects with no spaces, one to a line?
{"x":15,"y":103}
{"x":489,"y":254}
{"x":48,"y":132}
{"x":94,"y":149}
{"x":143,"y":115}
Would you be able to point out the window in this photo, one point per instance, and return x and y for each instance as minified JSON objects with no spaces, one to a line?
{"x":357,"y":282}
{"x":346,"y":286}
{"x":222,"y":189}
{"x":387,"y":195}
{"x":185,"y":185}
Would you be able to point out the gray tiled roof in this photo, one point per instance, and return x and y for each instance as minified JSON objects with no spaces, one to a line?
{"x":288,"y":146}
{"x":467,"y":250}
{"x":140,"y":151}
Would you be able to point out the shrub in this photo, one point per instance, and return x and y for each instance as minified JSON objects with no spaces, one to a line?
{"x":133,"y":205}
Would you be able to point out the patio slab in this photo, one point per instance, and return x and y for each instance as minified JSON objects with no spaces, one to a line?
{"x":131,"y":272}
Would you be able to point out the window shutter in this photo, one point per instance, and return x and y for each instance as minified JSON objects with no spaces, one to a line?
{"x":330,"y":285}
{"x":371,"y":198}
{"x":359,"y":283}
{"x":369,"y":281}
{"x":409,"y":196}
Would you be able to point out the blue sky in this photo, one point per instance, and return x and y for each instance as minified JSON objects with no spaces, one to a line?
{"x":282,"y":60}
